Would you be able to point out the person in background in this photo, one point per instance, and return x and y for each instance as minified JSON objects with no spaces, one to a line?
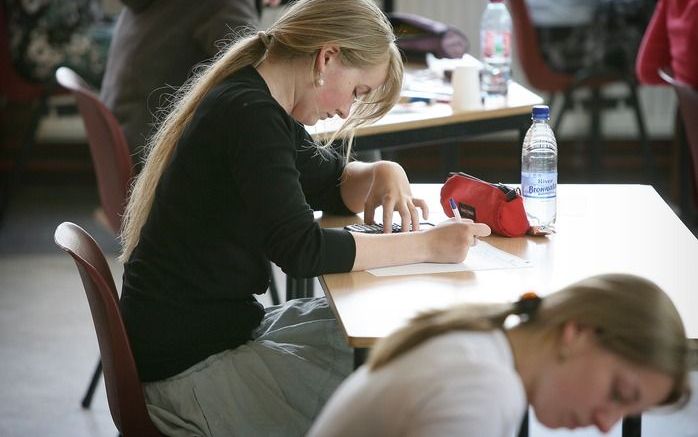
{"x":589,"y":37}
{"x":43,"y":35}
{"x":563,"y":28}
{"x":155,"y":46}
{"x":602,"y":348}
{"x":230,"y":182}
{"x":671,"y":40}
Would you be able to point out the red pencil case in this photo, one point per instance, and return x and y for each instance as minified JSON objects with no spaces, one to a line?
{"x":497,"y":205}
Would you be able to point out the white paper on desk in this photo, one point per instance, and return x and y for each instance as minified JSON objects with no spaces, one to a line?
{"x":482,"y":256}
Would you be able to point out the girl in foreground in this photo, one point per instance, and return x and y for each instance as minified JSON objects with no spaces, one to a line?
{"x":603,"y":348}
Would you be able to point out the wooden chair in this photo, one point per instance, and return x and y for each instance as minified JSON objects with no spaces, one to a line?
{"x":112,"y":164}
{"x":544,"y":78}
{"x":688,"y":108}
{"x":108,"y":147}
{"x":124,"y":390}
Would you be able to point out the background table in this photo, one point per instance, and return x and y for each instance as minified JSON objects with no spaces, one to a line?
{"x":438,"y":125}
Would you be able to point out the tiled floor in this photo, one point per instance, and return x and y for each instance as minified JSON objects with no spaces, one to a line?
{"x":47,"y":345}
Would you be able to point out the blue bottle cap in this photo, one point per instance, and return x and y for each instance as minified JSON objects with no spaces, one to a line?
{"x":540,"y":112}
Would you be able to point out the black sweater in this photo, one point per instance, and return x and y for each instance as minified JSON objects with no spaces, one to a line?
{"x":237,"y":193}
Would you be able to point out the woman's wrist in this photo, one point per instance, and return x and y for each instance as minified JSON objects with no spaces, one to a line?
{"x":424,"y":241}
{"x":383,"y":167}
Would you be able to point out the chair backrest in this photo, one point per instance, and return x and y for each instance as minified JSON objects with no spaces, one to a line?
{"x":110,"y":152}
{"x":688,"y":106}
{"x":537,"y":71}
{"x":124,"y":390}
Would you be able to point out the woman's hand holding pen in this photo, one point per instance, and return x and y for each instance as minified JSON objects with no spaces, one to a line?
{"x":391,"y":190}
{"x":450,"y":241}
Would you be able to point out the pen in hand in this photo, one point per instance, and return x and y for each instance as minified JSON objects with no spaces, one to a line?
{"x":454,"y":208}
{"x":457,"y":217}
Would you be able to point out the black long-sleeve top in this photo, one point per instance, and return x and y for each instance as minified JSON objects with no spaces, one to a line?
{"x":237,"y":193}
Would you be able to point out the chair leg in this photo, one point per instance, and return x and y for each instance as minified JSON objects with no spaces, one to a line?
{"x":595,"y":143}
{"x":273,"y":290}
{"x":551,"y":100}
{"x":297,"y":288}
{"x":566,"y":104}
{"x":523,"y":428}
{"x":632,"y":426}
{"x":687,"y":186}
{"x":87,"y":399}
{"x":291,"y":288}
{"x":310,"y":287}
{"x":642,"y":131}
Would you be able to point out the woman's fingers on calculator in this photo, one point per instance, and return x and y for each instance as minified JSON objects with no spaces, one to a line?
{"x":369,"y":212}
{"x":388,"y":208}
{"x":404,"y":208}
{"x":412,"y":220}
{"x":421,"y":204}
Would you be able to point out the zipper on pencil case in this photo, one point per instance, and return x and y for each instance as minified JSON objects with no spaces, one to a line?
{"x":509,"y":193}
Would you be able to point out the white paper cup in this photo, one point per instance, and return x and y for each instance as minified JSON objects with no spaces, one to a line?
{"x":466,"y":88}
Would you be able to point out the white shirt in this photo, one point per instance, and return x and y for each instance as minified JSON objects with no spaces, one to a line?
{"x":461,"y":383}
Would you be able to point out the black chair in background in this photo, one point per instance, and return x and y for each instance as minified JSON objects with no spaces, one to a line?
{"x":542,"y":77}
{"x":688,"y":137}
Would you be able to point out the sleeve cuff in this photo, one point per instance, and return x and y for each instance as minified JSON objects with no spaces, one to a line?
{"x":341,"y":258}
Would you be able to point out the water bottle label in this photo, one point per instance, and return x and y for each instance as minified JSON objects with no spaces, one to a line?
{"x":539,"y":185}
{"x":496,"y":44}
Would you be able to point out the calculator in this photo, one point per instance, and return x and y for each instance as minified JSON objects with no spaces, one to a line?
{"x":377,"y":228}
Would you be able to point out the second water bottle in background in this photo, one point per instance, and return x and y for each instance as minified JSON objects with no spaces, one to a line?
{"x":539,"y":172}
{"x":495,"y":45}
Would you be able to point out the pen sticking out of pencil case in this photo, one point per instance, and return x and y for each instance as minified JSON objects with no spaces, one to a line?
{"x":497,"y":205}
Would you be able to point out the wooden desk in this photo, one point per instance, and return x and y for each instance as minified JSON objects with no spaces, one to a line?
{"x":438,"y":124}
{"x":600,"y":229}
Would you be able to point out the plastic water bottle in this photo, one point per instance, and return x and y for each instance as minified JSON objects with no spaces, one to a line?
{"x":539,"y":172}
{"x":495,"y":45}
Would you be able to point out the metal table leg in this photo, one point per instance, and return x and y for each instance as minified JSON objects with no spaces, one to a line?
{"x":360,"y":355}
{"x":523,"y":430}
{"x":632,"y":426}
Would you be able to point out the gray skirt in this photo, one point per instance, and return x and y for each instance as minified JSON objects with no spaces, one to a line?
{"x":274,"y":385}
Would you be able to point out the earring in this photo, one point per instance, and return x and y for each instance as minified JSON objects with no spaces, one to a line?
{"x":562,"y":355}
{"x":319,"y":81}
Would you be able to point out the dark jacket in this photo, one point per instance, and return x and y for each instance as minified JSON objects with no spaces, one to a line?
{"x":156,"y":44}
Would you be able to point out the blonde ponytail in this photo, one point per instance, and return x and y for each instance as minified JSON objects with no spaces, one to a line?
{"x":465,"y":317}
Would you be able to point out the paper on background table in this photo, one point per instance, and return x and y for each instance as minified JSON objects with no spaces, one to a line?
{"x":482,"y":256}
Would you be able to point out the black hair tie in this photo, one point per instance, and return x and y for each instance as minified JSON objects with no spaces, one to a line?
{"x":527,"y":304}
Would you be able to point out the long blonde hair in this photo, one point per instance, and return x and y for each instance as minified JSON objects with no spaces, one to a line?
{"x":358,"y":27}
{"x":632,"y":317}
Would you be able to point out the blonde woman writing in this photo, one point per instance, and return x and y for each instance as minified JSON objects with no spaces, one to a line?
{"x":600,"y":349}
{"x":230,"y":182}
